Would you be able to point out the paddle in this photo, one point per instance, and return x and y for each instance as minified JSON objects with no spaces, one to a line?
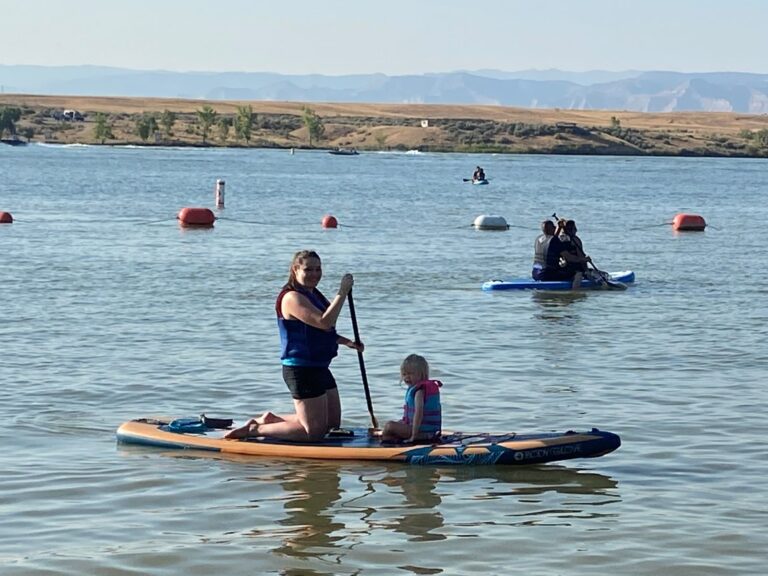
{"x":360,"y":359}
{"x":609,"y":282}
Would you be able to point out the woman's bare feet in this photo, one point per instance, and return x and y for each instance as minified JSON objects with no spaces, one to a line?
{"x":250,"y":428}
{"x":268,"y":418}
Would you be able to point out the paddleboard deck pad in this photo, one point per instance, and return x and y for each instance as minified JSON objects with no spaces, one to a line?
{"x":625,"y":277}
{"x":454,"y":448}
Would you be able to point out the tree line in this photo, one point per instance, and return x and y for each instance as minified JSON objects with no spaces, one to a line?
{"x":9,"y":116}
{"x":242,"y":124}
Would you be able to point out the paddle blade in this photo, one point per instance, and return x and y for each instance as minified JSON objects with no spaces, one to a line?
{"x":615,"y":285}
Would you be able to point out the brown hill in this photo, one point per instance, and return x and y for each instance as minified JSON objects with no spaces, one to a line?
{"x":467,"y":128}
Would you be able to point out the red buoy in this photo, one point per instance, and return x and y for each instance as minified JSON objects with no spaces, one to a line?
{"x":201,"y":217}
{"x":688,"y":222}
{"x":329,"y":221}
{"x":6,"y":218}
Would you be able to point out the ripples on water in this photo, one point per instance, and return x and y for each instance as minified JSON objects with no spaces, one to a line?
{"x":112,"y":312}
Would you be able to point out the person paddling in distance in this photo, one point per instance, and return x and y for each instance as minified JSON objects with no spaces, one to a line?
{"x":565,"y":257}
{"x":479,"y":174}
{"x":540,"y":247}
{"x":307,"y":323}
{"x":422,"y":414}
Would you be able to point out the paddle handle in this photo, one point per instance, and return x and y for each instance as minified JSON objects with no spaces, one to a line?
{"x":360,"y":359}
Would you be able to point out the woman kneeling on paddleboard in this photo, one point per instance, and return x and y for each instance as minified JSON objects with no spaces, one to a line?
{"x":307,"y":324}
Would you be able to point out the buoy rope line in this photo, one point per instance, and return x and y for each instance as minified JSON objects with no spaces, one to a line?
{"x":156,"y":221}
{"x":339,"y":225}
{"x":245,"y":221}
{"x":646,"y":226}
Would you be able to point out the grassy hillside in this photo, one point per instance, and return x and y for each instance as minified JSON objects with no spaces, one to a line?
{"x":461,"y":128}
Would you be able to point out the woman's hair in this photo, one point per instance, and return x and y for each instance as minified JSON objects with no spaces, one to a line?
{"x":416,"y":364}
{"x":560,"y":227}
{"x":299,"y":258}
{"x":569,"y":225}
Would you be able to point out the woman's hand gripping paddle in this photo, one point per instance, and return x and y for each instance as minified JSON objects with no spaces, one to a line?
{"x":362,"y":362}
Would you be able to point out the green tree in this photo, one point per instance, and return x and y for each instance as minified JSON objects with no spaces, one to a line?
{"x":8,"y":118}
{"x":225,"y":123}
{"x":206,"y":118}
{"x":244,"y":123}
{"x":146,"y":125}
{"x":28,"y":132}
{"x":313,"y":123}
{"x":103,"y":129}
{"x":167,"y":120}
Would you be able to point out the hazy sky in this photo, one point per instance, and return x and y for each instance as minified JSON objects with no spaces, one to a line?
{"x":389,"y":36}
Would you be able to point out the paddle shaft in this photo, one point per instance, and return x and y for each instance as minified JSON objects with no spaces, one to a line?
{"x":360,"y":359}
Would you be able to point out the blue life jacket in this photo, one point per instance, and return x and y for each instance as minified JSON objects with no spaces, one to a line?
{"x":300,"y":343}
{"x":431,"y":422}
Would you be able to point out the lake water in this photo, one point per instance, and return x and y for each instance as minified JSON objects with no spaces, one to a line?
{"x":111,"y":311}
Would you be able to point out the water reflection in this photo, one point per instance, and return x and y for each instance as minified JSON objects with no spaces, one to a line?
{"x":534,"y":480}
{"x":310,"y":521}
{"x":331,"y":509}
{"x":418,"y":514}
{"x":553,"y":306}
{"x":324,"y":515}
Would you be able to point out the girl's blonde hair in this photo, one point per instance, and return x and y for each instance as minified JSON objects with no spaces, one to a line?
{"x":416,"y":364}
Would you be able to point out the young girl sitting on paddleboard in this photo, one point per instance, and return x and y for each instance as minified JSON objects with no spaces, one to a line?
{"x":422,"y":417}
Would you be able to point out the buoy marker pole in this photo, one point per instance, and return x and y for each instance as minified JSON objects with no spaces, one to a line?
{"x":220,"y":193}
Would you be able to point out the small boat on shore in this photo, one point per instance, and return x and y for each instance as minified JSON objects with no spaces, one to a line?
{"x":343,"y":152}
{"x":13,"y":142}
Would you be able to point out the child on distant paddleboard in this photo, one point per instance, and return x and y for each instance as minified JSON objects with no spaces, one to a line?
{"x":422,"y":414}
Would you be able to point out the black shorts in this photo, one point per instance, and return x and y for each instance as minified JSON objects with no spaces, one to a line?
{"x":306,"y":382}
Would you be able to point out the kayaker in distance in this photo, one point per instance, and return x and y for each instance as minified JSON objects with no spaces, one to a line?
{"x":540,"y":247}
{"x":566,"y":259}
{"x":422,"y":418}
{"x":307,"y":324}
{"x":479,"y":174}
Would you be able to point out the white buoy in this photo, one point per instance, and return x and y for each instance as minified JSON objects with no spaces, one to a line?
{"x":486,"y":222}
{"x":220,"y":193}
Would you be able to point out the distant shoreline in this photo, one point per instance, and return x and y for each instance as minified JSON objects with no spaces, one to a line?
{"x":428,"y":128}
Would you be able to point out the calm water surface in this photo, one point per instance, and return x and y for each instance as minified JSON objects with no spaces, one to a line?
{"x":111,"y":311}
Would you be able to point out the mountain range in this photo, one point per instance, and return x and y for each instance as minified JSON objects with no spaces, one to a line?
{"x":632,"y":90}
